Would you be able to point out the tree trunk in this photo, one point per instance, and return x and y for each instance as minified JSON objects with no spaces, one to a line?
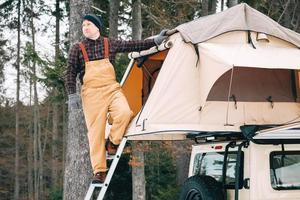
{"x":113,"y":18}
{"x":204,"y":10}
{"x":35,"y":115}
{"x":213,"y":7}
{"x":77,"y":174}
{"x":137,"y":28}
{"x":17,"y":167}
{"x":138,"y":171}
{"x":182,"y":156}
{"x":55,"y":152}
{"x":222,"y":5}
{"x":55,"y":118}
{"x":64,"y":133}
{"x":30,"y":149}
{"x":77,"y":165}
{"x":231,"y":3}
{"x":29,"y":166}
{"x":77,"y":10}
{"x":37,"y":144}
{"x":41,"y":156}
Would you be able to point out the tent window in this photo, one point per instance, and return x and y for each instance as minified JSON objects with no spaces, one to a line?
{"x":255,"y":85}
{"x":151,"y":69}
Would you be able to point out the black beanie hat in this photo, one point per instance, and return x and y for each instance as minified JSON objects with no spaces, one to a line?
{"x":95,"y":20}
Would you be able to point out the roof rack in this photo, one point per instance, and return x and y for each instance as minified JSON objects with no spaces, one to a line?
{"x":202,"y":137}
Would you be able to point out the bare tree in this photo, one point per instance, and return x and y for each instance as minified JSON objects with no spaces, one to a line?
{"x":29,"y":161}
{"x":30,"y":168}
{"x":35,"y":112}
{"x":113,"y":18}
{"x":78,"y":171}
{"x":213,"y":7}
{"x":137,"y":28}
{"x":17,"y":182}
{"x":55,"y":117}
{"x":138,"y":171}
{"x":222,"y":5}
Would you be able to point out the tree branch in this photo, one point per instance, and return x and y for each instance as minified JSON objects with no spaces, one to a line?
{"x":153,"y":17}
{"x":285,"y":9}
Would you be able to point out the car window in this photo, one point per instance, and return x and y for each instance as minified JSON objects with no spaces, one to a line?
{"x":284,"y":170}
{"x":211,"y":164}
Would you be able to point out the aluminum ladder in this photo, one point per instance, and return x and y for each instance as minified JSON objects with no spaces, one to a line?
{"x":110,"y":173}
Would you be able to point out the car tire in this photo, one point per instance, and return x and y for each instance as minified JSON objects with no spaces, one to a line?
{"x":202,"y":188}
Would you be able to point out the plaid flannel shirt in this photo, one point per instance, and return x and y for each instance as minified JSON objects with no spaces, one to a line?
{"x":95,"y":51}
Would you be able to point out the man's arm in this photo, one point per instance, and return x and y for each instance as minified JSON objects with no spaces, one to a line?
{"x":71,"y":73}
{"x":132,"y":45}
{"x":139,"y":45}
{"x":70,"y":79}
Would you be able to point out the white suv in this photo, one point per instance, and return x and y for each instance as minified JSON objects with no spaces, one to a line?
{"x":266,"y":166}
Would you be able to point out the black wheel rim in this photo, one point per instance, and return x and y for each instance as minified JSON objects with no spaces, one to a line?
{"x":193,"y":195}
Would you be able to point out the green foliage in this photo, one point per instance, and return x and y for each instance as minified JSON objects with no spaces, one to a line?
{"x":54,"y":78}
{"x":4,"y":58}
{"x":167,"y":193}
{"x":160,"y":173}
{"x":7,"y":8}
{"x":121,"y":183}
{"x":120,"y":65}
{"x":31,"y":56}
{"x":6,"y":54}
{"x":56,"y":194}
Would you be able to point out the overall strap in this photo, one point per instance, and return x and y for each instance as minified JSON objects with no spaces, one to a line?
{"x":84,"y":53}
{"x":106,"y":48}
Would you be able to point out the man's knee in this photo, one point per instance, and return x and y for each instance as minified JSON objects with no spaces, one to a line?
{"x":126,"y":114}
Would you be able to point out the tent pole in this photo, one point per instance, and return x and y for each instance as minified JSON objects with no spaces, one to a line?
{"x":228,"y":97}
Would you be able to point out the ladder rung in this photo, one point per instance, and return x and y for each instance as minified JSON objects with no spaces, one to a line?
{"x":110,"y":157}
{"x":91,"y":190}
{"x":110,"y":173}
{"x":97,"y":184}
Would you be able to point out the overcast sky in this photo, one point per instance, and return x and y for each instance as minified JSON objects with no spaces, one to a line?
{"x":44,"y":47}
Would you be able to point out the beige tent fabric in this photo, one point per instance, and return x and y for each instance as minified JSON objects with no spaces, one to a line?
{"x":216,"y":59}
{"x":187,"y":94}
{"x":176,"y":89}
{"x":178,"y":101}
{"x":246,"y":56}
{"x":240,"y":17}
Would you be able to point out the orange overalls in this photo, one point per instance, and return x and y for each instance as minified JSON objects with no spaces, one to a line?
{"x":102,"y":94}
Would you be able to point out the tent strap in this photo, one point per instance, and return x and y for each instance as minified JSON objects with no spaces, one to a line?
{"x":250,"y":40}
{"x":197,"y":52}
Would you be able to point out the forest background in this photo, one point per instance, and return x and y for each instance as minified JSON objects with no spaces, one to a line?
{"x":36,"y":155}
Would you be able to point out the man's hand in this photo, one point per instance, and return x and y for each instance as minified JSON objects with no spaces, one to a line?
{"x":74,"y":101}
{"x":161,"y":37}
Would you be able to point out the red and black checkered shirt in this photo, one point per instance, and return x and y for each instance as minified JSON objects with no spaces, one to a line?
{"x":95,"y":51}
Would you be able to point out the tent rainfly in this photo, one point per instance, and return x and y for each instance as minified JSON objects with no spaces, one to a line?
{"x":215,"y":74}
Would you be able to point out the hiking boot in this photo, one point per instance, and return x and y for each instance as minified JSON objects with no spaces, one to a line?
{"x":111,"y":148}
{"x":99,"y":177}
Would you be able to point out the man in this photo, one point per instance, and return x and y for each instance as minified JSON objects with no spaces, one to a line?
{"x":92,"y":59}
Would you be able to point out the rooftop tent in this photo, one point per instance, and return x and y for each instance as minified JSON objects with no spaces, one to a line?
{"x":215,"y":77}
